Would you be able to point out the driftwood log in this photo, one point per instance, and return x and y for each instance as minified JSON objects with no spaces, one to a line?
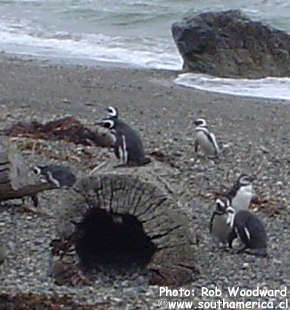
{"x":125,"y":193}
{"x":16,"y":181}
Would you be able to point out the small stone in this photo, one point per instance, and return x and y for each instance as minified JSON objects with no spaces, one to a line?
{"x":66,"y":100}
{"x":264,"y":150}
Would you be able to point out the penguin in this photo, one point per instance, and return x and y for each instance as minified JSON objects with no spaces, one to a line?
{"x":249,"y":229}
{"x":239,"y":198}
{"x":127,"y":146}
{"x":218,"y":226}
{"x":242,"y":192}
{"x":57,"y":175}
{"x":205,"y":139}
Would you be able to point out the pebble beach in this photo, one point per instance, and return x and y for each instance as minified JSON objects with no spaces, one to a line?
{"x":254,"y":135}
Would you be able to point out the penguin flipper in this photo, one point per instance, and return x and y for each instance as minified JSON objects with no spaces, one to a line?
{"x":117,"y":152}
{"x":232,"y":237}
{"x":211,"y":221}
{"x":212,"y":138}
{"x":258,"y":252}
{"x":196,"y":146}
{"x":124,"y":148}
{"x":243,"y":230}
{"x":122,"y":165}
{"x":145,"y":161}
{"x":242,"y":249}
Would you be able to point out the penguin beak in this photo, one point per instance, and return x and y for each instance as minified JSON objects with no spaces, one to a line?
{"x":252,"y":178}
{"x":100,"y":123}
{"x":216,"y":212}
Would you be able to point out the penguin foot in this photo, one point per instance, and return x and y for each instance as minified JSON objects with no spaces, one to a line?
{"x":144,"y":162}
{"x":258,"y":253}
{"x":222,"y":245}
{"x":241,"y":250}
{"x":122,"y":166}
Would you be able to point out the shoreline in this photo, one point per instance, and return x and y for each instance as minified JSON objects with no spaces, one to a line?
{"x":95,"y":64}
{"x":83,"y":62}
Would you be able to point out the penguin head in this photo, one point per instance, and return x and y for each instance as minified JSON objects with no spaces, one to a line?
{"x":222,"y":204}
{"x":112,"y":112}
{"x":242,"y":192}
{"x":245,"y":180}
{"x":107,"y":123}
{"x":200,"y":122}
{"x":45,"y":174}
{"x":40,"y":171}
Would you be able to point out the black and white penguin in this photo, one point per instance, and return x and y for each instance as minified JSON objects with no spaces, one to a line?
{"x":127,"y":146}
{"x":218,"y":226}
{"x":205,"y":139}
{"x":249,"y":229}
{"x":57,"y":175}
{"x":239,"y":198}
{"x":242,"y":192}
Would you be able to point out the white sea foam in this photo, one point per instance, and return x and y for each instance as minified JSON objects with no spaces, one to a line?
{"x":155,"y":53}
{"x":269,"y":87}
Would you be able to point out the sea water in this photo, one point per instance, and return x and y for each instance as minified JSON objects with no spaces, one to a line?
{"x":134,"y":33}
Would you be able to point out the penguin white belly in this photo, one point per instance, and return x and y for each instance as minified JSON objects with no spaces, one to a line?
{"x":243,"y":198}
{"x":207,"y":147}
{"x":220,"y":228}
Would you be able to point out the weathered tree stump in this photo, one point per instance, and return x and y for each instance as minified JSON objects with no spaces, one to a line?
{"x":16,"y":181}
{"x":142,"y":218}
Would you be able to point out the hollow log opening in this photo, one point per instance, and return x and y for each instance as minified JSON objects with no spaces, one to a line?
{"x":117,"y":240}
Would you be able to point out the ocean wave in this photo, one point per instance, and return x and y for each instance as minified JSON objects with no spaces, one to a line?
{"x":269,"y":87}
{"x":143,"y":52}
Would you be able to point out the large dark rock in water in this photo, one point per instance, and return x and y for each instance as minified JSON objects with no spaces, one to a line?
{"x":229,"y":44}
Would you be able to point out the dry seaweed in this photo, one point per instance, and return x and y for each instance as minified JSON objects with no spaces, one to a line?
{"x":68,"y":129}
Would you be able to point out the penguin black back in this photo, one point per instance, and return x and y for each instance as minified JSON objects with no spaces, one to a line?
{"x":250,"y":230}
{"x":128,"y":145}
{"x":56,"y":174}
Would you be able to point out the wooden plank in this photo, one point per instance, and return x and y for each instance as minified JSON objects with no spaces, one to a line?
{"x":15,"y":179}
{"x":27,"y":190}
{"x":4,"y":175}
